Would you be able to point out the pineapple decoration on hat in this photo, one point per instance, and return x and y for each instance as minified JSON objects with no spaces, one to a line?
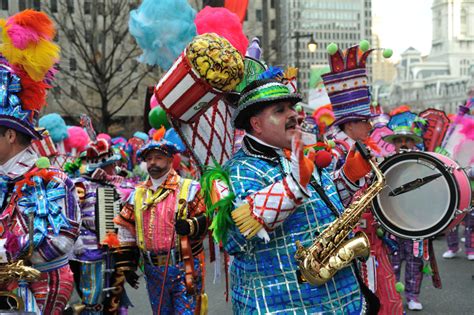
{"x":347,"y":83}
{"x":28,"y":56}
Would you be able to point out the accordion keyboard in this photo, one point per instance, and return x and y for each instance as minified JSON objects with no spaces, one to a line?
{"x":107,"y":208}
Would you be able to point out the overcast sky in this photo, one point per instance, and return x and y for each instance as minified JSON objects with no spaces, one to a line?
{"x":403,"y":23}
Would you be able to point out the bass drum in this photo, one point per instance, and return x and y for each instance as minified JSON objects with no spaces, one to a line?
{"x":424,"y":192}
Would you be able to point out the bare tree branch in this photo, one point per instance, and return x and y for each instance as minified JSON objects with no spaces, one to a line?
{"x":98,"y":71}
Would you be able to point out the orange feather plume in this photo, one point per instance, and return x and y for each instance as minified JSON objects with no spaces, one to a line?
{"x":159,"y":134}
{"x":37,"y":21}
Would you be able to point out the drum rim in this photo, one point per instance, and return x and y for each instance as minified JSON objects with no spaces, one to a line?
{"x":443,"y":223}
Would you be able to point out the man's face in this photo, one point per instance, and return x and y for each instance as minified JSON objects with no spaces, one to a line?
{"x":276,"y":124}
{"x":403,"y":143}
{"x":358,"y":130}
{"x":157,"y":164}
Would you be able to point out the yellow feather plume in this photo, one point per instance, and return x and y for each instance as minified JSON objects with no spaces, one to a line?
{"x":36,"y":59}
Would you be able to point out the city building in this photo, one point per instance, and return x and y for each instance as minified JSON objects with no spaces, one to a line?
{"x":344,"y":22}
{"x":77,"y":88}
{"x":443,"y":78}
{"x":383,"y":69}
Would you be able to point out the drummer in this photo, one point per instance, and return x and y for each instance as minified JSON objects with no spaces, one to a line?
{"x":353,"y":122}
{"x":407,"y":134}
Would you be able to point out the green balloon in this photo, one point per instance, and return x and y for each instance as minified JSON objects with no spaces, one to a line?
{"x":399,"y":287}
{"x":364,"y":45}
{"x":379,"y":232}
{"x":298,"y":108}
{"x":43,"y":162}
{"x":157,"y":118}
{"x":332,"y":48}
{"x":387,"y":53}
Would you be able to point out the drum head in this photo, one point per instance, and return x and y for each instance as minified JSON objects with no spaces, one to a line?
{"x":424,"y":211}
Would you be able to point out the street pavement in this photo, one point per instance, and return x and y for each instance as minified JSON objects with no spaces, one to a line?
{"x":456,"y":296}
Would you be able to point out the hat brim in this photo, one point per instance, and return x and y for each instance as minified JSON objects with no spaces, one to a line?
{"x":239,"y":113}
{"x":349,"y":118}
{"x":166,"y":150}
{"x":391,"y":138}
{"x":113,"y":159}
{"x":20,"y":126}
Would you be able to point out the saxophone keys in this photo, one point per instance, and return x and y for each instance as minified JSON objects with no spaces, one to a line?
{"x":345,"y":254}
{"x":324,"y":273}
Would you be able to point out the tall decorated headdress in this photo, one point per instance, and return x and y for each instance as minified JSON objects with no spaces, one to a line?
{"x":406,"y":124}
{"x":347,"y":83}
{"x":28,"y":55}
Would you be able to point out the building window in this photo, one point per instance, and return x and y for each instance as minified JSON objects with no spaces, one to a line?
{"x":88,"y":36}
{"x":272,"y":24}
{"x":54,"y":6}
{"x":100,"y":8}
{"x":72,"y":64}
{"x":74,"y":92}
{"x":37,"y":5}
{"x":22,"y":5}
{"x":87,"y":7}
{"x":119,"y":65}
{"x":4,"y":4}
{"x":70,"y":6}
{"x":272,"y":4}
{"x":258,"y":15}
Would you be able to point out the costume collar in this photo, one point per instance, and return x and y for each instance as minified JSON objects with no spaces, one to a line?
{"x":19,"y":164}
{"x":257,"y":148}
{"x":169,"y":181}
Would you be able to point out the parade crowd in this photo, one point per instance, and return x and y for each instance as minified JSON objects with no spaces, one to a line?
{"x":310,"y":212}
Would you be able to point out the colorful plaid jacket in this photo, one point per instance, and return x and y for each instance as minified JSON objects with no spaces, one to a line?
{"x":264,"y":274}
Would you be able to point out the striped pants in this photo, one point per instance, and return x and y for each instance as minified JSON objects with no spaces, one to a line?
{"x":453,"y":235}
{"x":413,"y":268}
{"x":53,"y":290}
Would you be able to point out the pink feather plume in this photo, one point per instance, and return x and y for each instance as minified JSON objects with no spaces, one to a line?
{"x":224,"y":23}
{"x":77,"y":139}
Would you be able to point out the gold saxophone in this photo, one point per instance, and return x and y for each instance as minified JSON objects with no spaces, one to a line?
{"x":16,"y":271}
{"x":332,"y":249}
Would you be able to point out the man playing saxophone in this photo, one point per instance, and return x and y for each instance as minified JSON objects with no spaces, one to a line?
{"x":280,"y":200}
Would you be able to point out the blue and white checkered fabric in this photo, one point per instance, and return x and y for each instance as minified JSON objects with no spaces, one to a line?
{"x":263,"y":276}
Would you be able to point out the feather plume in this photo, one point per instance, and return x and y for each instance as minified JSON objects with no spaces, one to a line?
{"x":55,"y":125}
{"x":220,"y":211}
{"x":27,"y":43}
{"x":172,"y":136}
{"x":210,"y":20}
{"x":162,"y":29}
{"x":78,"y":139}
{"x":159,"y":134}
{"x":39,"y":22}
{"x":468,"y":128}
{"x":33,"y":93}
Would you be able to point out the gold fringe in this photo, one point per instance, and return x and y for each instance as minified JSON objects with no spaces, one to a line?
{"x":247,"y":224}
{"x":204,"y":304}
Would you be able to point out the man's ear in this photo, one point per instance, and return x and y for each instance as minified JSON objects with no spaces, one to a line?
{"x":255,"y":123}
{"x":11,"y":136}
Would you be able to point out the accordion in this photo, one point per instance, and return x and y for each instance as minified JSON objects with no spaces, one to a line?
{"x":107,"y":208}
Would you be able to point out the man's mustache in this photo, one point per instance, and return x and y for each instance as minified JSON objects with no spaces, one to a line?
{"x":291,"y":123}
{"x":155,"y":169}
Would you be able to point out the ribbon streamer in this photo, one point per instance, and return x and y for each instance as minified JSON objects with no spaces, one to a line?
{"x":43,"y":200}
